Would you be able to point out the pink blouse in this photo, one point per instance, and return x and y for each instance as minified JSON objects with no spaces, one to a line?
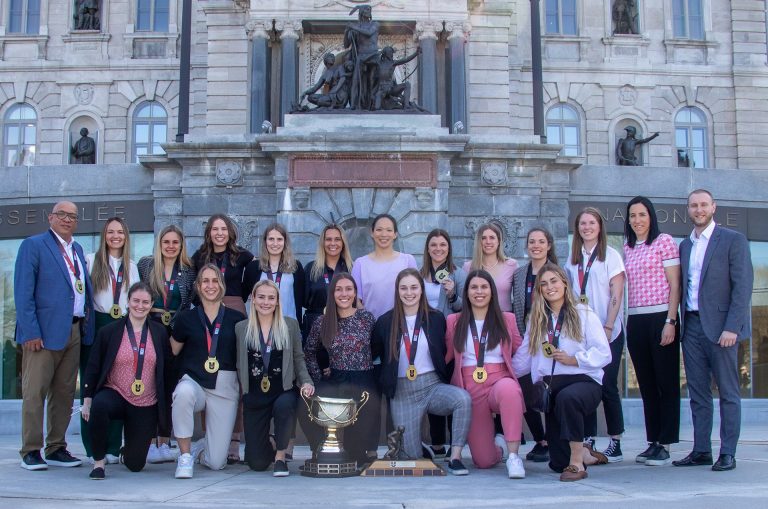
{"x":648,"y":289}
{"x":123,"y":373}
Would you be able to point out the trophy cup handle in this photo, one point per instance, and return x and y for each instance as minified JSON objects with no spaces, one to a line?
{"x":363,"y":400}
{"x":309,"y":407}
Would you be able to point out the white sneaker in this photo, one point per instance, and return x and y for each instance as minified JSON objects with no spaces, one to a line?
{"x":500,"y":442}
{"x":153,"y":454}
{"x":185,"y":467}
{"x":515,"y":468}
{"x":197,"y":450}
{"x":166,"y":453}
{"x":112,"y":459}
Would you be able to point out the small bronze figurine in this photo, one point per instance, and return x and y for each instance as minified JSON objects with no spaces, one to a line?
{"x":395,"y":445}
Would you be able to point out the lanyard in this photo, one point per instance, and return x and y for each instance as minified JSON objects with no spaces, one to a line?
{"x":411,"y":344}
{"x":73,"y":265}
{"x":553,"y":330}
{"x":530,"y":279}
{"x":277,"y":276}
{"x":266,"y":349}
{"x":224,"y":263}
{"x":138,"y":350}
{"x":479,"y":342}
{"x":213,"y":340}
{"x":117,"y":283}
{"x":169,"y":285}
{"x":584,"y":273}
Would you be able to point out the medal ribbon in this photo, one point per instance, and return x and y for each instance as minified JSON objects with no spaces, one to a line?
{"x":169,"y":285}
{"x":138,"y":350}
{"x":553,"y":330}
{"x":224,"y":263}
{"x":411,"y":345}
{"x":479,"y":342}
{"x":584,"y":273}
{"x":213,"y":340}
{"x":433,"y":271}
{"x":266,"y":349}
{"x":277,"y":277}
{"x":73,"y":265}
{"x":117,"y":283}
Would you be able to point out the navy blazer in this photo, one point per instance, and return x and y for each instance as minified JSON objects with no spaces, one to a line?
{"x":103,"y":356}
{"x":725,"y":289}
{"x":380,"y":346}
{"x":44,"y":295}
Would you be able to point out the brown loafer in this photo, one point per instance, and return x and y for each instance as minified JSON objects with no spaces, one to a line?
{"x":572,"y":473}
{"x":601,"y":458}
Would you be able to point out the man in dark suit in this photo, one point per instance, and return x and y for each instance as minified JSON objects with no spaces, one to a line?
{"x":717,"y":288}
{"x":53,"y":297}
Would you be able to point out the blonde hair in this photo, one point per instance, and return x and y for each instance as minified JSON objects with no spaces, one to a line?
{"x":280,"y":337}
{"x":477,"y":251}
{"x":540,"y":311}
{"x":287,"y":260}
{"x":157,"y":277}
{"x":100,"y":275}
{"x":319,"y":267}
{"x":219,"y":278}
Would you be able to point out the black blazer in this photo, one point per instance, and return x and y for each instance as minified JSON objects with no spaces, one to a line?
{"x":103,"y":355}
{"x":380,"y":346}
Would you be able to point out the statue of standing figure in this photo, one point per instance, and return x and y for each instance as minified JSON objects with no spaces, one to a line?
{"x":84,"y":150}
{"x":624,"y":14}
{"x":361,"y":37}
{"x":625,"y":149}
{"x":87,"y":15}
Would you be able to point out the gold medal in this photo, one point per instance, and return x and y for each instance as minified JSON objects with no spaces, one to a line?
{"x":137,"y":387}
{"x":411,"y":373}
{"x":115,"y":311}
{"x":549,"y":350}
{"x":79,"y":286}
{"x":441,"y":275}
{"x":480,"y":375}
{"x":166,"y":317}
{"x":211,"y":365}
{"x":265,"y":384}
{"x":583,"y":299}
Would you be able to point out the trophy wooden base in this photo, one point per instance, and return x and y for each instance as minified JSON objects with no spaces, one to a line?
{"x":329,"y":469}
{"x":403,"y":468}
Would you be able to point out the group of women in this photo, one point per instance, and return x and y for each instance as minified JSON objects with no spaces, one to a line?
{"x":224,"y":344}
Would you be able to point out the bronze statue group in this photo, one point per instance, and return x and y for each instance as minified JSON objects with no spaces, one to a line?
{"x":220,"y":347}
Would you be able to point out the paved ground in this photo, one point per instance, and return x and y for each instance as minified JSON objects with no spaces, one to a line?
{"x":625,"y":484}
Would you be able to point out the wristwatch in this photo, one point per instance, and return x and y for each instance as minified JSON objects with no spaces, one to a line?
{"x":671,"y":321}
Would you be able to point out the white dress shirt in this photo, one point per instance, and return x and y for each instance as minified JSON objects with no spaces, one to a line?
{"x":103,"y":300}
{"x":698,"y":250}
{"x":78,"y":309}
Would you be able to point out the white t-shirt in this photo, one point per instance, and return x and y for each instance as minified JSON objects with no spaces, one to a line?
{"x":423,"y":360}
{"x":598,"y":284}
{"x":492,"y":356}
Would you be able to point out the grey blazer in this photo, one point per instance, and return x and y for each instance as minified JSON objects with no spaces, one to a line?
{"x":294,"y":367}
{"x":446,"y":308}
{"x":518,"y":297}
{"x":725,"y":291}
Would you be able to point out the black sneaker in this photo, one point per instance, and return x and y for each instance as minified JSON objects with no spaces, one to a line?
{"x":659,"y":457}
{"x":613,"y":451}
{"x":280,"y":469}
{"x":456,"y":467}
{"x":590,"y":443}
{"x":640,"y":458}
{"x":97,"y":474}
{"x":62,"y":458}
{"x":33,"y":461}
{"x":539,"y":453}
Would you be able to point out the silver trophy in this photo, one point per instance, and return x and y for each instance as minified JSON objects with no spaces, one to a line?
{"x":330,"y":459}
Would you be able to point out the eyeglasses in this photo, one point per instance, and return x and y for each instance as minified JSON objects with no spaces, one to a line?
{"x":65,"y":215}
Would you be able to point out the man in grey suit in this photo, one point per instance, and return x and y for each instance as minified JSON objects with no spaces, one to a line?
{"x":717,"y":289}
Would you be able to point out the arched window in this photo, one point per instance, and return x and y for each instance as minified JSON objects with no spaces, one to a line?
{"x":150,"y":129}
{"x":19,"y":135}
{"x":564,"y":128}
{"x":691,"y":138}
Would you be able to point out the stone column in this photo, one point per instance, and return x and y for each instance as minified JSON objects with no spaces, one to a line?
{"x":258,"y":33}
{"x":290,"y":32}
{"x":457,"y":81}
{"x":426,"y":32}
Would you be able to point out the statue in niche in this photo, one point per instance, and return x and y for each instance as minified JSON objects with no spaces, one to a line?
{"x":389,"y":94}
{"x":625,"y":149}
{"x":87,"y":15}
{"x":624,"y":14}
{"x":335,"y":79}
{"x":84,"y":149}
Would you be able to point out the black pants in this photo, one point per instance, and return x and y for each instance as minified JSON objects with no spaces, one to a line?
{"x":259,"y":452}
{"x":139,"y":427}
{"x":614,"y":415}
{"x":575,"y":397}
{"x":658,"y":375}
{"x":532,"y":418}
{"x":361,"y":436}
